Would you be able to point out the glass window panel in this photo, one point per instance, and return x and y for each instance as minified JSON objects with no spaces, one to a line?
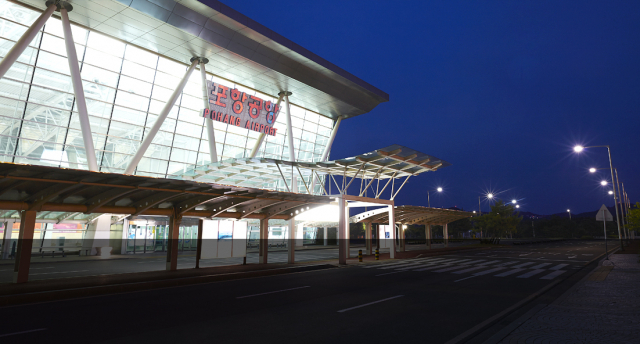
{"x":178,"y":169}
{"x":325,"y":121}
{"x":10,"y":108}
{"x":13,"y":89}
{"x":155,"y":166}
{"x":192,"y":102}
{"x":311,"y":117}
{"x":324,"y":131}
{"x":296,"y":122}
{"x":53,"y":62}
{"x":108,"y":45}
{"x":138,"y":71}
{"x":171,"y":67}
{"x":140,"y":56}
{"x":132,"y":101}
{"x":168,"y":124}
{"x":129,"y":115}
{"x":53,"y":80}
{"x":192,"y":143}
{"x":7,"y":147}
{"x":98,"y":92}
{"x":232,"y":152}
{"x":188,"y":129}
{"x":162,"y":94}
{"x":297,"y":111}
{"x":47,"y":115}
{"x":98,"y":125}
{"x":135,"y":86}
{"x":18,"y":13}
{"x":99,"y":76}
{"x":308,"y":136}
{"x":167,"y":80}
{"x":158,"y":151}
{"x":236,"y":140}
{"x":101,"y":59}
{"x":183,"y":155}
{"x":191,"y":116}
{"x":310,"y":126}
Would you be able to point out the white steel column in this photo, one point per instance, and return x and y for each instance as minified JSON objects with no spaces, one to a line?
{"x":342,"y":230}
{"x":326,"y":238}
{"x":347,"y":233}
{"x":78,"y":90}
{"x":445,"y":234}
{"x":327,"y":149}
{"x":163,"y":115}
{"x":256,"y":146}
{"x":367,"y":237}
{"x":392,"y":230}
{"x":403,"y":237}
{"x":291,"y":242}
{"x":213,"y":153}
{"x":26,"y":38}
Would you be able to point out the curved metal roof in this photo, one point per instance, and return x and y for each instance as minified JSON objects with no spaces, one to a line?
{"x":238,"y":48}
{"x":412,"y":215}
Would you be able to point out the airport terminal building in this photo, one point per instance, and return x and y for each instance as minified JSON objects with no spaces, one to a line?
{"x":175,"y":111}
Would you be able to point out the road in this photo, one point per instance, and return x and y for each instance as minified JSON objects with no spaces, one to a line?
{"x":430,"y":299}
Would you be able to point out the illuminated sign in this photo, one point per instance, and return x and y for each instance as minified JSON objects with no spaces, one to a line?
{"x":235,"y":107}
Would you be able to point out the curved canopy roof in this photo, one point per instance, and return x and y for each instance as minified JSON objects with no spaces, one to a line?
{"x":412,"y":215}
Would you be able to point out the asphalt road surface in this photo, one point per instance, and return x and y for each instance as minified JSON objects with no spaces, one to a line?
{"x":431,"y":299}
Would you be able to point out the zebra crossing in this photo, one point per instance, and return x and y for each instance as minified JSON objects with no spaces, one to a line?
{"x":476,"y":267}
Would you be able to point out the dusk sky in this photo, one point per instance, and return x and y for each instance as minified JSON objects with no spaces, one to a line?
{"x":502,"y":90}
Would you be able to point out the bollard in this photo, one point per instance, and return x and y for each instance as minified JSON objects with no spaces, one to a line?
{"x":360,"y":256}
{"x":377,"y":254}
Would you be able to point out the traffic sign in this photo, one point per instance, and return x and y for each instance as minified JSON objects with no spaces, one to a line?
{"x":604,"y":214}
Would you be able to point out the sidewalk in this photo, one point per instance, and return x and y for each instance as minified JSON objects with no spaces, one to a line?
{"x":602,"y":308}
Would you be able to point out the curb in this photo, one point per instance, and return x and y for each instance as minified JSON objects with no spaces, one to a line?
{"x":74,"y":293}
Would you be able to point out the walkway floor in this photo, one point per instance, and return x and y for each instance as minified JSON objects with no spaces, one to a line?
{"x":602,"y":308}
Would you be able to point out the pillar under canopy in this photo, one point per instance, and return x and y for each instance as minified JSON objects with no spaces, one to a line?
{"x":392,"y":230}
{"x":342,"y":230}
{"x":25,"y":243}
{"x":172,"y":242}
{"x":264,"y":241}
{"x":445,"y":234}
{"x":367,"y":237}
{"x":427,"y":232}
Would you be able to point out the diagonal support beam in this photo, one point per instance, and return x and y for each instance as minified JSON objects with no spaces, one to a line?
{"x":105,"y":197}
{"x":163,"y":115}
{"x":249,"y":209}
{"x":193,"y":202}
{"x":44,"y":196}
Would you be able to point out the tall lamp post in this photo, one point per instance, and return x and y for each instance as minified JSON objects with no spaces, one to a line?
{"x":428,"y":199}
{"x":617,"y":186}
{"x":569,"y":211}
{"x":579,"y":149}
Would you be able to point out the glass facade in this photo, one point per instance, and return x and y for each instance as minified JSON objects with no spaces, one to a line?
{"x":125,"y":88}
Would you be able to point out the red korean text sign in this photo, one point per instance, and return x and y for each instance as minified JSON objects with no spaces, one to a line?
{"x":237,"y":108}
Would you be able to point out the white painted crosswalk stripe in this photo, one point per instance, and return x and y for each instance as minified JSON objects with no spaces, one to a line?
{"x":510,"y":272}
{"x":450,"y":269}
{"x":522,"y":265}
{"x":531,"y":273}
{"x":540,"y":266}
{"x":553,"y":275}
{"x":470,"y":269}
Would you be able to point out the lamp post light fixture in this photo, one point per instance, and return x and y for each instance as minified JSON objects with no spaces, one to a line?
{"x":488,"y":196}
{"x":428,"y":198}
{"x":578,"y":149}
{"x":569,"y":211}
{"x":517,"y":206}
{"x":610,"y":192}
{"x":514,"y":201}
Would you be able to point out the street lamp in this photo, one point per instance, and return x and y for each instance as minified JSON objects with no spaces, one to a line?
{"x":610,"y":192}
{"x":569,"y":211}
{"x":579,"y":149}
{"x":620,"y":199}
{"x":517,"y":205}
{"x":603,"y":183}
{"x":514,"y":201}
{"x":488,"y":196}
{"x":428,"y":198}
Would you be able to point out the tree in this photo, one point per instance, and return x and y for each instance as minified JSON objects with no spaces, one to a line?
{"x":633,"y":218}
{"x":500,"y":221}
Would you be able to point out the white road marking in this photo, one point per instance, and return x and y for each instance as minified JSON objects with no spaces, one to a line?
{"x":510,"y":272}
{"x":523,"y":264}
{"x":470,"y":269}
{"x":21,"y":332}
{"x":370,"y":303}
{"x":462,"y":279}
{"x":553,"y":275}
{"x":450,"y":269}
{"x":272,"y":292}
{"x":531,"y":273}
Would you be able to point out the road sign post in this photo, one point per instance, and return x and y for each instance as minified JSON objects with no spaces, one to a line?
{"x":604,"y":215}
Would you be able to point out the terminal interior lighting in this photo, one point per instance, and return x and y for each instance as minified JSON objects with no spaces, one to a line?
{"x":578,"y":149}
